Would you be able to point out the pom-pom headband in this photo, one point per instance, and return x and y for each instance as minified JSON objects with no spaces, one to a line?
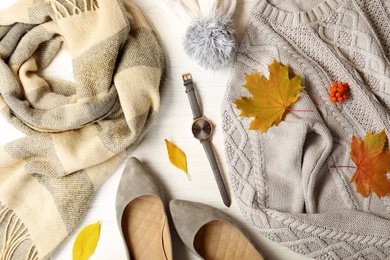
{"x":210,"y":37}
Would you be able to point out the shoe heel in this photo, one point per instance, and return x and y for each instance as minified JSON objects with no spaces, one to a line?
{"x":210,"y":233}
{"x":145,"y":229}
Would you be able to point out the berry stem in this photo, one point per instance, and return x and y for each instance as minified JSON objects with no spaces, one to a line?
{"x":343,"y":167}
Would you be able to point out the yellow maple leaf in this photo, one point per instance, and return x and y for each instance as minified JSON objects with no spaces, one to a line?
{"x":177,"y":157}
{"x":271,"y":97}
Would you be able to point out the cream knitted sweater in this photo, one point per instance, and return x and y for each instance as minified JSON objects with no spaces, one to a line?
{"x":283,"y":179}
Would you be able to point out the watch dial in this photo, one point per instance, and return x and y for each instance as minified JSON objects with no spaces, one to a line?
{"x":201,"y":129}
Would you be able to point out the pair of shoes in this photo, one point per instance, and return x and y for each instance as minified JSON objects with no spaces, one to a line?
{"x":208,"y":232}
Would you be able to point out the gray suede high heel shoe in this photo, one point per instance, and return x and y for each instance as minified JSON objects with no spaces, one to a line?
{"x":140,"y":214}
{"x":210,"y":233}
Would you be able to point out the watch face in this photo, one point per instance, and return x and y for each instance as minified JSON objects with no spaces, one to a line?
{"x":201,"y":129}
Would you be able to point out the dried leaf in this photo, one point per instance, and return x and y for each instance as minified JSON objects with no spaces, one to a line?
{"x":176,"y":156}
{"x":271,"y":98}
{"x":86,"y":242}
{"x":372,"y":164}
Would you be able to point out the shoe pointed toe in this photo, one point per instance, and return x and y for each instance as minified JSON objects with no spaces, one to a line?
{"x":135,"y":182}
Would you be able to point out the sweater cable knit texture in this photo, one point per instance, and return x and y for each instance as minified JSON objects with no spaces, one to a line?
{"x":283,"y":179}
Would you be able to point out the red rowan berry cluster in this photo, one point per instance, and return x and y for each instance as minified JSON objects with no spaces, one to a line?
{"x":338,"y":92}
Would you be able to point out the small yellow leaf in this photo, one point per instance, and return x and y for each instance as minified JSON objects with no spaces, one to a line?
{"x":176,"y":156}
{"x":86,"y":242}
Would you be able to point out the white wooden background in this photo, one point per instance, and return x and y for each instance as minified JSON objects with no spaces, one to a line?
{"x":173,"y":123}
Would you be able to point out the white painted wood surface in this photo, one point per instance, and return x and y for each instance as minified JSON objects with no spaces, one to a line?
{"x":173,"y":123}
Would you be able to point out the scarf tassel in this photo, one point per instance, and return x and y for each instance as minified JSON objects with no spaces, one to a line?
{"x":66,"y":8}
{"x":15,"y":234}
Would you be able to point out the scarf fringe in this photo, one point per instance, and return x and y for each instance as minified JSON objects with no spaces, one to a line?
{"x":72,"y":7}
{"x":15,"y":234}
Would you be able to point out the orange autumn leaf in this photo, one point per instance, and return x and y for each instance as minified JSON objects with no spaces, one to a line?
{"x":271,"y":97}
{"x":177,"y":157}
{"x":372,"y":164}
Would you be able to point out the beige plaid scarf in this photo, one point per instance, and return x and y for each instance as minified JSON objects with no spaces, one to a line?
{"x":77,"y":133}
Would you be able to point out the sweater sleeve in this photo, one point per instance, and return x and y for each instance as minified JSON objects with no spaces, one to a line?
{"x":288,"y":156}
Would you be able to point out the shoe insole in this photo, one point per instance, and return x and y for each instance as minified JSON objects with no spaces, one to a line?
{"x":218,"y":240}
{"x":145,"y":228}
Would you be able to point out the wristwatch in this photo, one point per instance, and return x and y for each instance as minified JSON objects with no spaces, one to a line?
{"x":202,"y":130}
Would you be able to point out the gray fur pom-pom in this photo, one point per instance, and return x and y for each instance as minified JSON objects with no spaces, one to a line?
{"x":211,"y":41}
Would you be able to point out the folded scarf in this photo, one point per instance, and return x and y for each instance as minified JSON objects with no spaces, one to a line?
{"x":76,"y":132}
